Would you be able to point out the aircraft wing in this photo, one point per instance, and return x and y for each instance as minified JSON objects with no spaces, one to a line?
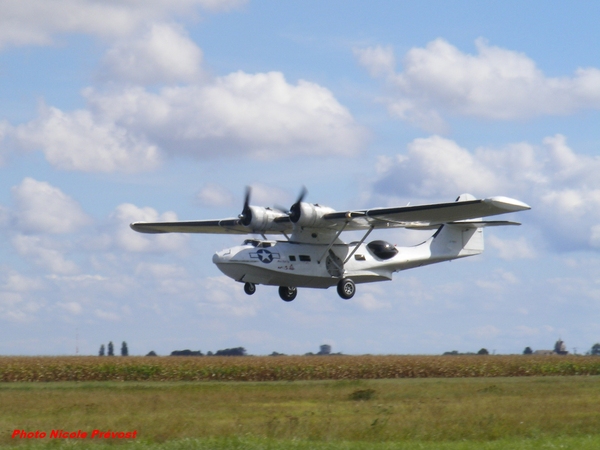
{"x":218,"y":226}
{"x":428,"y":216}
{"x":466,"y":210}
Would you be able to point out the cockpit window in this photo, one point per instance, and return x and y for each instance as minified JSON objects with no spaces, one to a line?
{"x":257,"y":243}
{"x":382,"y":249}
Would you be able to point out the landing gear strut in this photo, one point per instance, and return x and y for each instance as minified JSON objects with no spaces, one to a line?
{"x":287,"y":293}
{"x":346,"y":288}
{"x":249,"y":288}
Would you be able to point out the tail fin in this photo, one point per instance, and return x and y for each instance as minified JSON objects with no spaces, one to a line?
{"x":457,"y":240}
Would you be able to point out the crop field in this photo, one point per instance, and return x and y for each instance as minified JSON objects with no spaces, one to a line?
{"x":288,"y":368}
{"x":366,"y":402}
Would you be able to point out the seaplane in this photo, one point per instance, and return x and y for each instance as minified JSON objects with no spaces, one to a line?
{"x":308,"y":252}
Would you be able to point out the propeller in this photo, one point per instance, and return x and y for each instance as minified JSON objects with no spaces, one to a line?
{"x":295,"y":209}
{"x":246,"y":214}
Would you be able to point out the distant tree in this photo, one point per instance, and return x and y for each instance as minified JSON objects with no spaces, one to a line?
{"x":101,"y":352}
{"x":453,"y":352}
{"x":325,"y":350}
{"x":483,"y":351}
{"x":527,"y":351}
{"x":595,"y":349}
{"x":238,"y":351}
{"x":277,"y":354}
{"x":124,"y":350}
{"x":111,"y":349}
{"x":209,"y":353}
{"x":152,"y":353}
{"x":186,"y":353}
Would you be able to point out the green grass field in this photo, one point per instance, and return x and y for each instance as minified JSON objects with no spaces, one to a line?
{"x":422,"y":413}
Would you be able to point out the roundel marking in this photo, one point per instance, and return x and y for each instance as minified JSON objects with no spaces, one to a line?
{"x":265,"y":255}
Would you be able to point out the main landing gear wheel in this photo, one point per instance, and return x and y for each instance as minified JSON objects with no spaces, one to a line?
{"x":346,"y":288}
{"x":249,"y":288}
{"x":287,"y":293}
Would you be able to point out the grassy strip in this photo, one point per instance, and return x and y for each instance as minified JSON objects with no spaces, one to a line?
{"x":371,"y":414}
{"x":576,"y":443}
{"x":291,"y":368}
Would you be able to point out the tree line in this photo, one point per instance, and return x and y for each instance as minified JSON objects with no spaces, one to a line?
{"x":110,"y":350}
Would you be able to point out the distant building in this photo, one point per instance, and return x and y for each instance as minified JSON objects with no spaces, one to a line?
{"x":325,"y":350}
{"x":560,"y":348}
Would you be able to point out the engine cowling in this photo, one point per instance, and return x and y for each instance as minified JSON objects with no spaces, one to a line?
{"x":258,"y":218}
{"x":308,"y":214}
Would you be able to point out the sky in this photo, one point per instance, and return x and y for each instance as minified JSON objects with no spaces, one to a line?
{"x":114,"y":112}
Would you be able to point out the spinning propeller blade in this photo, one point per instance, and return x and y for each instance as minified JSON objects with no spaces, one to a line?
{"x":295,"y":208}
{"x":246,"y":214}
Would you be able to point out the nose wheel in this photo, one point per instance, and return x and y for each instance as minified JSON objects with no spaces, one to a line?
{"x":346,"y":288}
{"x":249,"y":288}
{"x":287,"y":293}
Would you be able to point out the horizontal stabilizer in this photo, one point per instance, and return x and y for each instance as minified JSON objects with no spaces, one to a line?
{"x":484,"y":223}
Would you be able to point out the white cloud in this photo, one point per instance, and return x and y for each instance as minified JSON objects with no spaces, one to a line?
{"x":164,"y":54}
{"x":436,"y":166}
{"x":37,"y":22}
{"x":168,"y":279}
{"x":15,"y":282}
{"x":377,"y":60}
{"x":213,"y":194}
{"x":127,"y":239}
{"x":266,"y":195}
{"x":74,"y":308}
{"x":510,"y":249}
{"x":229,"y":297}
{"x":81,"y":141}
{"x":495,"y":84}
{"x":561,"y":185}
{"x":261,"y":115}
{"x":5,"y":128}
{"x":43,"y":208}
{"x":484,"y":332}
{"x":370,"y":297}
{"x":45,"y":253}
{"x":107,"y":315}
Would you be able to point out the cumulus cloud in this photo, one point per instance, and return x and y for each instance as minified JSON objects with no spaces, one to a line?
{"x":495,"y":83}
{"x":44,"y":252}
{"x":163,"y":54}
{"x":510,"y":249}
{"x":213,"y":194}
{"x":229,"y":297}
{"x":5,"y":128}
{"x":259,"y":115}
{"x":561,"y":185}
{"x":43,"y":208}
{"x":82,"y":141}
{"x":127,"y":239}
{"x":168,"y":279}
{"x":37,"y":22}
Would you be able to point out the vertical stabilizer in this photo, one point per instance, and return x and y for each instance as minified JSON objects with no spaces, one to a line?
{"x":456,"y":241}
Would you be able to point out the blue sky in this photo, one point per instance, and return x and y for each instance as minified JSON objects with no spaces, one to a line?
{"x":162,"y":110}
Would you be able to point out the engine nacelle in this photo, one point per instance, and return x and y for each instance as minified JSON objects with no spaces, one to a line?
{"x":308,"y":214}
{"x":260,"y":218}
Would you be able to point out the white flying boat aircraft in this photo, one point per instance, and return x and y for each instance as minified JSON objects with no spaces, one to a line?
{"x":313,"y":255}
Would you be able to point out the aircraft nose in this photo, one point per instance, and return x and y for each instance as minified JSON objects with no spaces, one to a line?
{"x":222,"y":256}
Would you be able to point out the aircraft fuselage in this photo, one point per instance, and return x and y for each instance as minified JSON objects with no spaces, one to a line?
{"x":285,"y":263}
